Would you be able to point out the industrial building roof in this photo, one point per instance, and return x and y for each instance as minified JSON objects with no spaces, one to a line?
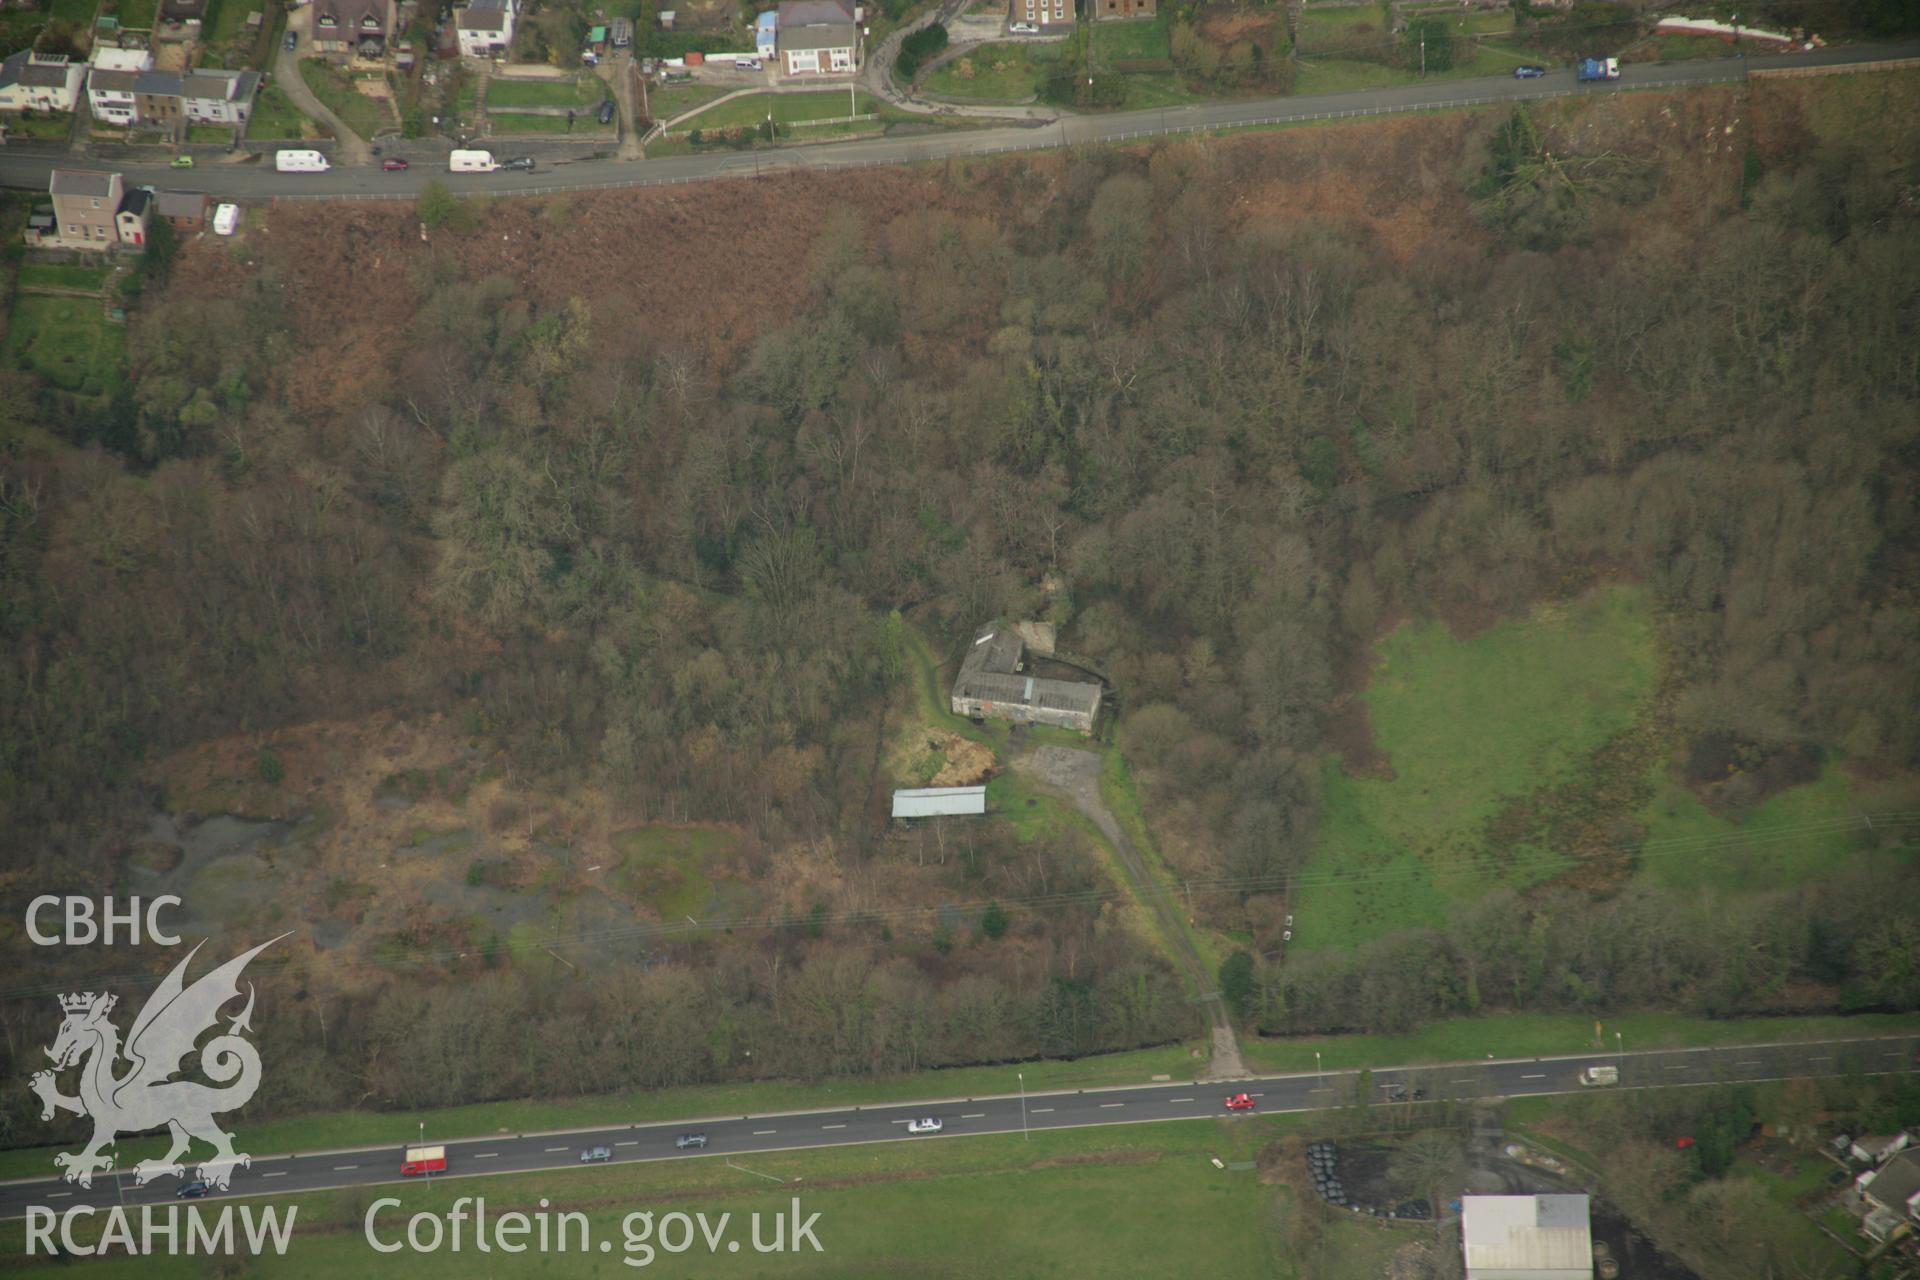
{"x":1526,"y":1237}
{"x":937,"y":802}
{"x":991,"y":672}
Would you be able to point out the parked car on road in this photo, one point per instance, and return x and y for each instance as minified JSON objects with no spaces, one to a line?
{"x":690,"y":1141}
{"x":1239,"y":1102}
{"x":192,"y":1190}
{"x":1528,"y":73}
{"x":182,"y":162}
{"x":746,"y":64}
{"x":393,"y":164}
{"x":926,"y":1124}
{"x":594,"y":1155}
{"x":1022,"y":29}
{"x":523,"y":164}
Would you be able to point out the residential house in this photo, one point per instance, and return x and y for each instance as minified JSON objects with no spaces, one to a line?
{"x":215,"y":96}
{"x":1109,"y":10}
{"x":994,"y":680}
{"x":351,"y":26}
{"x":1057,"y":15}
{"x":134,"y":216}
{"x":85,"y":203}
{"x":110,"y":97}
{"x":185,"y":211}
{"x":817,"y":37}
{"x":486,"y":28}
{"x":32,"y":81}
{"x":1891,"y":1196}
{"x":766,"y":35}
{"x":1526,"y":1237}
{"x":1877,"y":1149}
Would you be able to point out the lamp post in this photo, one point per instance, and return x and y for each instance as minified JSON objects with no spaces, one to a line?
{"x":1316,"y":1068}
{"x":1024,"y":1131}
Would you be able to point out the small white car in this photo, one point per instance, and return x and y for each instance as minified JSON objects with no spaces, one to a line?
{"x":927,"y":1124}
{"x":1022,"y":29}
{"x":746,"y":64}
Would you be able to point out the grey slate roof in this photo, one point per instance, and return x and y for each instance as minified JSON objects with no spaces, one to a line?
{"x":1897,"y":1182}
{"x":483,"y":15}
{"x":990,"y":672}
{"x":181,"y":204}
{"x":112,"y":81}
{"x":82,"y":182}
{"x":22,"y":69}
{"x":165,"y":84}
{"x":815,"y":24}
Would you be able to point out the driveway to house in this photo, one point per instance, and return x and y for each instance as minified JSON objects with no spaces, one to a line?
{"x":1076,"y":775}
{"x":349,"y":147}
{"x":27,"y":165}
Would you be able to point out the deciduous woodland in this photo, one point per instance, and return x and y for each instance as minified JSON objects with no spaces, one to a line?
{"x":645,"y":512}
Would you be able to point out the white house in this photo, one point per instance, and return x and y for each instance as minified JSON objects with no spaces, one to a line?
{"x":110,"y":84}
{"x":486,"y":28}
{"x":816,"y":37}
{"x":32,"y":81}
{"x":1526,"y":1237}
{"x":213,"y":96}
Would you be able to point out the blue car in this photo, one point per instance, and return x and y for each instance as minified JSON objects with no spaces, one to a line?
{"x":1528,"y":73}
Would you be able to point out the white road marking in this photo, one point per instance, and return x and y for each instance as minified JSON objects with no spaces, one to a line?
{"x":551,"y":1150}
{"x":57,"y":1195}
{"x":342,"y":1168}
{"x":631,"y":1143}
{"x":974,"y":1115}
{"x":1536,"y":1076}
{"x":1105,"y":1105}
{"x":1464,"y":1080}
{"x":1179,"y":1099}
{"x":277,"y":1173}
{"x":486,"y":1155}
{"x":899,"y":1122}
{"x":1256,"y":1095}
{"x":833,"y":1126}
{"x":1041,"y":1110}
{"x":761,"y":1133}
{"x":1322,"y":1089}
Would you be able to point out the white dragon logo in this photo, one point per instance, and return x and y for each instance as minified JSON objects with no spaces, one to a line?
{"x":146,"y":1096}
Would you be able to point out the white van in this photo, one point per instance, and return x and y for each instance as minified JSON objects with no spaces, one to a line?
{"x":472,"y":162}
{"x":300,"y":162}
{"x":225,"y":219}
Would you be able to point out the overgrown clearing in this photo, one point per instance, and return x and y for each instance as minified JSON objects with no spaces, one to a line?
{"x":1465,"y":726}
{"x":578,"y":92}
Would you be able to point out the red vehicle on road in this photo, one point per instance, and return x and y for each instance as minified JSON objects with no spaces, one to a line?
{"x":393,"y":164}
{"x":423,"y":1160}
{"x":1239,"y":1102}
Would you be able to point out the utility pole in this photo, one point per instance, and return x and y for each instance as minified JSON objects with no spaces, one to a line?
{"x":1423,"y":53}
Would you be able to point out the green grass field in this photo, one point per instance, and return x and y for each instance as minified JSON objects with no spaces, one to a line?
{"x":665,"y":104}
{"x":1131,"y":1200}
{"x":1530,"y":1035}
{"x":1346,"y":75}
{"x":1114,"y":41}
{"x":334,"y":88}
{"x":995,"y":71}
{"x":48,"y":127}
{"x":1467,"y":725}
{"x":61,"y":275}
{"x":1794,"y":837}
{"x":67,"y":341}
{"x":138,"y":14}
{"x":787,"y":108}
{"x":585,"y":91}
{"x":274,"y":117}
{"x":511,"y":122}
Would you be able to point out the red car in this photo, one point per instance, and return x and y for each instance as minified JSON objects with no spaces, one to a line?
{"x":393,"y":164}
{"x":1239,"y":1102}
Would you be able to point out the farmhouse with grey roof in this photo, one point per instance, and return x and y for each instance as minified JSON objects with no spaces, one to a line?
{"x":995,"y":681}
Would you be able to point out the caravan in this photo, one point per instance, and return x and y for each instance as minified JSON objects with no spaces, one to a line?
{"x":300,"y":162}
{"x":471,"y":162}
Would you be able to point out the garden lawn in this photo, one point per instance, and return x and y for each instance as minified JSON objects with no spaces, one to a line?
{"x":67,"y":341}
{"x":507,"y":122}
{"x":61,"y":275}
{"x":275,"y":118}
{"x":1124,"y":41}
{"x":995,"y":71}
{"x":362,"y":114}
{"x":665,"y":104}
{"x":1467,"y":725}
{"x":39,"y":124}
{"x":585,"y":91}
{"x":138,"y":15}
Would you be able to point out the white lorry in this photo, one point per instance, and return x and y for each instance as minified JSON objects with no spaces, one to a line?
{"x":1594,"y":1076}
{"x":300,"y":162}
{"x":472,"y":162}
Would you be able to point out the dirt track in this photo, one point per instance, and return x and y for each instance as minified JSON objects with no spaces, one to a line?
{"x":1076,"y":775}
